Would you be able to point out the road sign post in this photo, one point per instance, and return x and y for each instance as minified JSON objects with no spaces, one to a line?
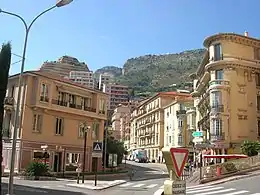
{"x":97,"y":153}
{"x":175,"y":159}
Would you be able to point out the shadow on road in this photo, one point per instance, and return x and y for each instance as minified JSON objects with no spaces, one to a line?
{"x":27,"y":190}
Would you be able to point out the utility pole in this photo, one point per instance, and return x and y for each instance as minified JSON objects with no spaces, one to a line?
{"x":85,"y":130}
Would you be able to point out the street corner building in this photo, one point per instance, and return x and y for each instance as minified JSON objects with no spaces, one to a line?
{"x":227,"y":92}
{"x":52,"y":113}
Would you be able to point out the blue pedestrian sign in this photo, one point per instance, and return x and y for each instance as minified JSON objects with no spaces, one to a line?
{"x":197,"y":134}
{"x":97,"y":146}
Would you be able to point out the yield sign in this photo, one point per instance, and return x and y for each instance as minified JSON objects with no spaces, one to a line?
{"x":179,"y":158}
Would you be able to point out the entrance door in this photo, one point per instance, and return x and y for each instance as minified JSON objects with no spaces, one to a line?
{"x":57,"y":162}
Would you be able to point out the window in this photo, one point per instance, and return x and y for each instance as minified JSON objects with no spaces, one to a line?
{"x":182,"y":107}
{"x":81,"y":131}
{"x":44,"y":93}
{"x":258,"y":103}
{"x":59,"y":126}
{"x":102,"y":106}
{"x":219,"y":74}
{"x":217,"y":52}
{"x":72,"y":158}
{"x":179,"y":139}
{"x":37,"y":122}
{"x":95,"y":131}
{"x":217,"y":127}
{"x":216,"y":98}
{"x":180,"y":123}
{"x":257,"y":79}
{"x":170,"y":139}
{"x":193,"y":119}
{"x":258,"y":129}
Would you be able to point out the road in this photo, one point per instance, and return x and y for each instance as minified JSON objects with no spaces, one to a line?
{"x":248,"y":186}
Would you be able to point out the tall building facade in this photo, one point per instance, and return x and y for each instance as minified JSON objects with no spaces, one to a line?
{"x":82,"y":77}
{"x":54,"y":113}
{"x":227,"y":91}
{"x":64,"y":65}
{"x":148,"y":124}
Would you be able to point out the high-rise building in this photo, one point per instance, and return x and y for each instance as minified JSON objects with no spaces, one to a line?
{"x":82,"y":77}
{"x":104,"y":79}
{"x":64,"y":66}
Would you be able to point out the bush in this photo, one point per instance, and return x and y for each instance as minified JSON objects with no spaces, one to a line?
{"x":230,"y":167}
{"x":37,"y":169}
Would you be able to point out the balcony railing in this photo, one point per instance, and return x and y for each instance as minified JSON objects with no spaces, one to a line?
{"x":44,"y":99}
{"x":180,"y":112}
{"x":217,"y":137}
{"x":217,"y":108}
{"x":73,"y":105}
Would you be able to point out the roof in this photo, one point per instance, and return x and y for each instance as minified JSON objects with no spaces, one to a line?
{"x":57,"y":77}
{"x":169,"y":93}
{"x":209,"y":39}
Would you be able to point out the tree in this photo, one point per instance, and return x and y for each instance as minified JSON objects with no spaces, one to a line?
{"x":250,"y":148}
{"x":5,"y":62}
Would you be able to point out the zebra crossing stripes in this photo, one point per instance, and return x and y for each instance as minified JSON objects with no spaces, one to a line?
{"x":139,"y":185}
{"x":216,"y":190}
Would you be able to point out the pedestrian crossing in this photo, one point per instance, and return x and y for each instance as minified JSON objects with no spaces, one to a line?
{"x":216,"y":190}
{"x":138,"y":185}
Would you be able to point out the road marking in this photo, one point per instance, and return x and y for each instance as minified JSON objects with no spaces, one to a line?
{"x":199,"y":188}
{"x":202,"y":190}
{"x":216,"y":192}
{"x":152,"y":186}
{"x":44,"y":186}
{"x":238,"y":192}
{"x":138,"y":185}
{"x":256,"y":194}
{"x":126,"y":184}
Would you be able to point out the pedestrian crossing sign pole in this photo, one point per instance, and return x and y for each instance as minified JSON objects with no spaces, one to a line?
{"x":175,"y":159}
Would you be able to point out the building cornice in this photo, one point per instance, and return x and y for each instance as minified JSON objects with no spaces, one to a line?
{"x":241,"y":39}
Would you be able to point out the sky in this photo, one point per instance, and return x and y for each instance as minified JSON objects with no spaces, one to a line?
{"x":108,"y":32}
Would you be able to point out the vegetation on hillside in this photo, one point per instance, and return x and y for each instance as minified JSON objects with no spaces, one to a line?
{"x":153,"y":73}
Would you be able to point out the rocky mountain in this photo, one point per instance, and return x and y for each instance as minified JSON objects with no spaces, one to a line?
{"x":152,"y":73}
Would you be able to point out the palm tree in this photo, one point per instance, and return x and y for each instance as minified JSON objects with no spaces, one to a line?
{"x":5,"y":62}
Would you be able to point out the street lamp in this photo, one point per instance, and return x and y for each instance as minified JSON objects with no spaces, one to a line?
{"x":59,"y":3}
{"x":85,"y":129}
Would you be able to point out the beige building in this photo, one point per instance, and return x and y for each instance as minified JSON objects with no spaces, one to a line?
{"x":53,"y":112}
{"x":125,"y":124}
{"x":176,"y":131}
{"x":149,"y":124}
{"x":227,"y":91}
{"x":82,"y":77}
{"x":118,"y":122}
{"x":64,"y":65}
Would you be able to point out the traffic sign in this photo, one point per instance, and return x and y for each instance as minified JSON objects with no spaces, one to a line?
{"x":179,"y":158}
{"x":97,"y":146}
{"x":197,"y":134}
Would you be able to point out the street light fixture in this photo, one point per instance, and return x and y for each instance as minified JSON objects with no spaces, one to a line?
{"x":59,"y":3}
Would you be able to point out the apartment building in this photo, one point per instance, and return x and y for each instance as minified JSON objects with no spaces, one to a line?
{"x":64,"y":65}
{"x":133,"y":130}
{"x":176,"y":131}
{"x":149,"y":122}
{"x":118,"y":94}
{"x":104,"y":79}
{"x":54,"y":114}
{"x":227,"y":91}
{"x":82,"y":77}
{"x":125,"y":129}
{"x":117,"y":121}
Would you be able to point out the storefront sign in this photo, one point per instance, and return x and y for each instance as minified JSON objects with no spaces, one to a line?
{"x":179,"y":187}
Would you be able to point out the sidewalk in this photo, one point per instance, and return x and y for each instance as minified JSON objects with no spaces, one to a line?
{"x":101,"y":185}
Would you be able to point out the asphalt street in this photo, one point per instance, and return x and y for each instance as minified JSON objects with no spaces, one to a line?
{"x":248,"y":186}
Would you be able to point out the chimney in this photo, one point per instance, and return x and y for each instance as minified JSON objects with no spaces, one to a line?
{"x":246,"y":34}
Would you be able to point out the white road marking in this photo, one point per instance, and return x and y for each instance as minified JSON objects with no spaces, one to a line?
{"x":152,"y":186}
{"x":138,"y":185}
{"x":202,"y":190}
{"x":216,"y":192}
{"x":126,"y":184}
{"x":238,"y":192}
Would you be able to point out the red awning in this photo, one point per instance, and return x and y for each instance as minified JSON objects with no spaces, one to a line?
{"x":226,"y":156}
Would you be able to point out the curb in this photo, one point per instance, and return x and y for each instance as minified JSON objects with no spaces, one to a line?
{"x":159,"y":192}
{"x":233,"y":179}
{"x":101,"y":188}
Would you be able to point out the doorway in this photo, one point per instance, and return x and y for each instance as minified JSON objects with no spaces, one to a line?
{"x":57,"y":162}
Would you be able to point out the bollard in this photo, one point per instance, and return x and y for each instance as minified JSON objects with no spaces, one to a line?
{"x":78,"y":178}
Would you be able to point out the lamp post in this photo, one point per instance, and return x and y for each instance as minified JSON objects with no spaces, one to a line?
{"x":85,"y":131}
{"x":59,"y":3}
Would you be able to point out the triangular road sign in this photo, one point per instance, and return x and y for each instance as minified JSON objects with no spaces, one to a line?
{"x":97,"y":147}
{"x":179,"y":158}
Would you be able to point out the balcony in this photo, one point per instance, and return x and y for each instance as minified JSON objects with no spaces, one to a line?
{"x":9,"y":103}
{"x":215,"y":138}
{"x":44,"y":99}
{"x":217,"y":109}
{"x":101,"y":112}
{"x":180,"y":112}
{"x":219,"y":83}
{"x":72,"y":105}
